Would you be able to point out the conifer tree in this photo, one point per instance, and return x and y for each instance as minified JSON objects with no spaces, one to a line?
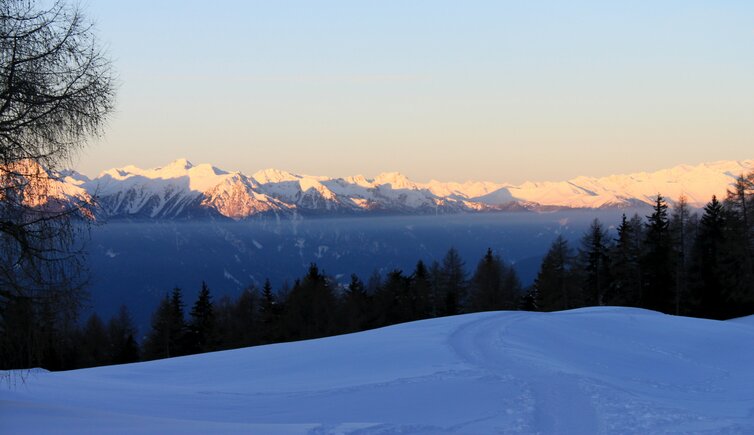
{"x":739,"y":248}
{"x":528,"y":301}
{"x":227,"y":323}
{"x":393,"y":300}
{"x":374,"y":282}
{"x":311,"y":307}
{"x":626,"y":285}
{"x":555,"y":286}
{"x":202,"y":324}
{"x":177,"y":323}
{"x":246,"y":314}
{"x":270,"y":314}
{"x":268,"y":302}
{"x":657,"y":260}
{"x":18,"y":318}
{"x":512,"y":288}
{"x":452,"y":283}
{"x":682,"y":229}
{"x":709,"y":283}
{"x":122,"y":332}
{"x":421,"y":289}
{"x":594,"y":260}
{"x":168,"y":337}
{"x":160,"y":342}
{"x":436,"y":296}
{"x":356,"y":306}
{"x":486,"y":286}
{"x":95,"y":344}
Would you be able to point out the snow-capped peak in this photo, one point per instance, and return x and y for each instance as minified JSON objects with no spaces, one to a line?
{"x":45,"y":188}
{"x":396,"y":180}
{"x":359,"y":180}
{"x":180,"y":185}
{"x":177,"y":165}
{"x":271,"y":175}
{"x":468,"y":189}
{"x":179,"y":172}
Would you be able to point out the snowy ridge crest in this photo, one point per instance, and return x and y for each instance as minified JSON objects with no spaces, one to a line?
{"x":181,"y":189}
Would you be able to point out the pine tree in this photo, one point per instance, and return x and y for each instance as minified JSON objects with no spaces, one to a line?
{"x":202,"y":324}
{"x":528,"y":301}
{"x":512,"y":288}
{"x":95,"y":343}
{"x":555,"y":286}
{"x":177,"y":324}
{"x":246,"y":314}
{"x":709,"y":283}
{"x":270,"y":315}
{"x":356,"y":306}
{"x":227,"y":323}
{"x":594,"y":260}
{"x":374,"y":282}
{"x":268,"y":301}
{"x":393,"y":300}
{"x":122,"y":332}
{"x":657,"y":262}
{"x":453,"y":283}
{"x":486,"y":287}
{"x":311,"y":307}
{"x":421,"y":292}
{"x":626,"y":285}
{"x":19,"y":331}
{"x":160,"y":342}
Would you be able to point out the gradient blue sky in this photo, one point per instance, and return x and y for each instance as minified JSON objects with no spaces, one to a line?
{"x":453,"y":90}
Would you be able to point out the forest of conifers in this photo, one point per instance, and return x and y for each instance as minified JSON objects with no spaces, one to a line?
{"x":674,"y":260}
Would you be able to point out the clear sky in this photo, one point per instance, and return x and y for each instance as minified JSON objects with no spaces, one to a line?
{"x":452,"y":90}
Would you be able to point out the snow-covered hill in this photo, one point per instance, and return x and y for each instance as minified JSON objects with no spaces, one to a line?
{"x":182,"y":190}
{"x":598,"y":370}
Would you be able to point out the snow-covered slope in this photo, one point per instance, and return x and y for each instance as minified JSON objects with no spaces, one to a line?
{"x":181,"y":189}
{"x":599,"y":370}
{"x":35,"y":186}
{"x":697,"y":183}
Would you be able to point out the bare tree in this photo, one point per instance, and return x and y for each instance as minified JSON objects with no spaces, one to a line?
{"x":56,"y":91}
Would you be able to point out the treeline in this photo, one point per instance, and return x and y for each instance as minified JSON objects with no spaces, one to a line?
{"x":316,"y":306}
{"x":674,"y":260}
{"x":43,"y":337}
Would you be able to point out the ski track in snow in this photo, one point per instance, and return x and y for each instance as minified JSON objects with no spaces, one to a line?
{"x":556,"y":397}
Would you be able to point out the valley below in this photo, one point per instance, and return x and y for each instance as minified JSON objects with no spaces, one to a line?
{"x":138,"y":262}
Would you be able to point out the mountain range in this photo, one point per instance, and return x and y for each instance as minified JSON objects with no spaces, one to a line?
{"x":181,"y":190}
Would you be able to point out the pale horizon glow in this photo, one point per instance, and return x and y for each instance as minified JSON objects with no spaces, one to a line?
{"x":480,"y":90}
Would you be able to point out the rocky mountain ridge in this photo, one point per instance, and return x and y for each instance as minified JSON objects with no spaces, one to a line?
{"x":183,"y":190}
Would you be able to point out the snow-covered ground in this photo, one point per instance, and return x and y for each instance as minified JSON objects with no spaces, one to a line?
{"x":599,"y":370}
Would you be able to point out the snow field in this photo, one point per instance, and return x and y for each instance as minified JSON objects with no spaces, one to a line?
{"x":597,"y":370}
